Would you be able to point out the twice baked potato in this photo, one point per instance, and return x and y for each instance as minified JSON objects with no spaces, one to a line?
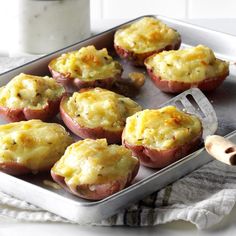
{"x":143,"y":38}
{"x":94,"y":170}
{"x":160,"y":137}
{"x":31,"y":146}
{"x":177,"y":71}
{"x":97,"y":113}
{"x":28,"y":97}
{"x":87,"y":67}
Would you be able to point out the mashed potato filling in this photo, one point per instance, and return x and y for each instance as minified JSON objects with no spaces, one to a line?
{"x":145,"y":35}
{"x":34,"y":144}
{"x":100,"y":108}
{"x":87,"y":64}
{"x":94,"y":162}
{"x":187,"y":65}
{"x":161,"y":129}
{"x":29,"y":91}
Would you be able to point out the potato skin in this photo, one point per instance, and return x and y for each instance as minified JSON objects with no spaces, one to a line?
{"x":31,"y":146}
{"x":13,"y":168}
{"x":17,"y":169}
{"x":97,"y":191}
{"x":75,"y":84}
{"x":207,"y":85}
{"x":85,"y":132}
{"x":20,"y":114}
{"x":161,"y":158}
{"x":137,"y":59}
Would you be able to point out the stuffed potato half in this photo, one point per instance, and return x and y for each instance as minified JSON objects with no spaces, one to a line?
{"x":177,"y":71}
{"x":144,"y":38}
{"x":94,"y":170}
{"x":87,"y":67}
{"x":160,"y":137}
{"x":31,"y":146}
{"x":28,"y":97}
{"x":97,"y":113}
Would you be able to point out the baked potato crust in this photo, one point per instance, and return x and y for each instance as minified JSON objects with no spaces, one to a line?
{"x":27,"y":97}
{"x":26,"y":146}
{"x":86,"y":132}
{"x":177,"y":71}
{"x":97,"y":191}
{"x":170,"y":86}
{"x":86,"y":67}
{"x":13,"y":168}
{"x":161,"y":158}
{"x":161,"y":136}
{"x":75,"y":84}
{"x":83,"y":131}
{"x":93,"y":170}
{"x":138,"y":59}
{"x":46,"y":113}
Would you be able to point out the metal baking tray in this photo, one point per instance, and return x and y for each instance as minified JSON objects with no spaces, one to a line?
{"x":31,"y":188}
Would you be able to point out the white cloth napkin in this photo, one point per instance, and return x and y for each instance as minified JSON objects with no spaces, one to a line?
{"x":203,"y":197}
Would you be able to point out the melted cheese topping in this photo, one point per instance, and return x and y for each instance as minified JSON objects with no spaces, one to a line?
{"x":87,"y":64}
{"x":145,"y":35}
{"x":34,"y":144}
{"x":94,"y":162}
{"x":100,"y":108}
{"x":161,"y":129}
{"x":28,"y":91}
{"x":137,"y":78}
{"x":187,"y":65}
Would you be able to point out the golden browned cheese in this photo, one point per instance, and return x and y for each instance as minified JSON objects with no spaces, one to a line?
{"x":94,"y":162}
{"x":88,"y":63}
{"x":34,"y":144}
{"x":137,"y":78}
{"x":192,"y":64}
{"x":29,"y":91}
{"x":145,"y":35}
{"x":161,"y":129}
{"x":100,"y":108}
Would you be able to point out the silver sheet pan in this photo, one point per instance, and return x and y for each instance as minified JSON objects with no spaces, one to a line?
{"x":31,"y":188}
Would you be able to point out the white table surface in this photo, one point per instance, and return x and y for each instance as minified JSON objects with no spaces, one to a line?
{"x":226,"y":227}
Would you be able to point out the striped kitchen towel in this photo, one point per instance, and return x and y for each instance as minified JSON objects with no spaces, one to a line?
{"x":203,"y":198}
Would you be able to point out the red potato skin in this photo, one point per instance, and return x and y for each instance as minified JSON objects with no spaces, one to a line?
{"x":137,"y":59}
{"x":13,"y":168}
{"x":100,"y":191}
{"x":158,"y":159}
{"x":46,"y":113}
{"x":207,"y":85}
{"x":75,"y":84}
{"x":85,"y":132}
{"x":16,"y":169}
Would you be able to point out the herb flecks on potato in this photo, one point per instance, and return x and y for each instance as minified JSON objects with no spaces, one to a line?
{"x":31,"y":146}
{"x":176,"y":71}
{"x":86,"y":67}
{"x":144,"y":37}
{"x":97,"y":113}
{"x":160,"y":137}
{"x":92,"y":169}
{"x":28,"y":97}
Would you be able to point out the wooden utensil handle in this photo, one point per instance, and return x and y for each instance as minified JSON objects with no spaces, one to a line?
{"x":221,"y":149}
